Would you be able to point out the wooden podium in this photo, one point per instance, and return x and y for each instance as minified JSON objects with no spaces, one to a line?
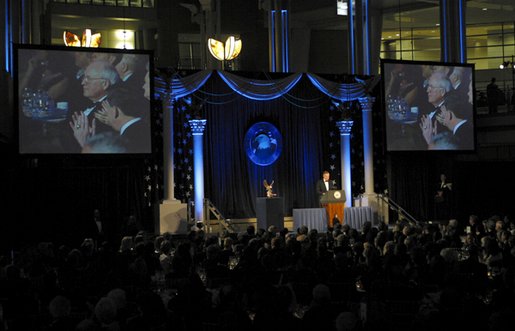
{"x":334,"y":202}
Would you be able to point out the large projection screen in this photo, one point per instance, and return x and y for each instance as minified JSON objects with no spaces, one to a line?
{"x":428,"y":105}
{"x":82,"y":101}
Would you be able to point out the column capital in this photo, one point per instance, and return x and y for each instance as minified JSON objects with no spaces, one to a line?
{"x":366,"y":103}
{"x":345,"y":127}
{"x":197,"y":127}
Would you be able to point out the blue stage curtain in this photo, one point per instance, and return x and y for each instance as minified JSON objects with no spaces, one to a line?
{"x":233,"y":182}
{"x":262,"y":90}
{"x":342,"y":92}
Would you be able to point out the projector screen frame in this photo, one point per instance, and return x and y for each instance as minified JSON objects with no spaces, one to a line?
{"x":417,"y":144}
{"x":144,"y":56}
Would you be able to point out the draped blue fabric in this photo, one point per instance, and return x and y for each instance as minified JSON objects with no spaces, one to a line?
{"x":160,"y":87}
{"x":342,"y":92}
{"x":182,"y":86}
{"x":261,"y":90}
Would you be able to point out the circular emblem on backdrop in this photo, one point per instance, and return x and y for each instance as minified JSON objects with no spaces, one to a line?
{"x":263,"y":143}
{"x":337,"y":195}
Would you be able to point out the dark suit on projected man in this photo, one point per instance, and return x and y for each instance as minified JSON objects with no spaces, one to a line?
{"x":325,"y":184}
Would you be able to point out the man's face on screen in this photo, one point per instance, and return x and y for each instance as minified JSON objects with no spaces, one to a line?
{"x":94,"y":85}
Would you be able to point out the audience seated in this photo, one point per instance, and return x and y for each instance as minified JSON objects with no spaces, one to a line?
{"x":346,"y":279}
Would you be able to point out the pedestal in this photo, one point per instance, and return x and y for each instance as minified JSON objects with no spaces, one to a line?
{"x":173,"y":217}
{"x":378,"y":206}
{"x":269,"y":211}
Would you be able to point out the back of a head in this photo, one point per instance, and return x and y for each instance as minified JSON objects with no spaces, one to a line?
{"x":303,"y":230}
{"x":251,"y":230}
{"x":346,"y":321}
{"x":213,"y":252}
{"x":60,"y":306}
{"x":455,"y":104}
{"x":129,"y":104}
{"x":165,"y":247}
{"x":105,"y":311}
{"x":321,"y":294}
{"x":130,"y":60}
{"x":126,"y":244}
{"x":87,"y":325}
{"x":276,"y":242}
{"x":118,"y":297}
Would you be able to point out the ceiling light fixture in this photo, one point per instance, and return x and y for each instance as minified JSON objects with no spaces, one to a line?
{"x":221,"y":52}
{"x":88,"y":40}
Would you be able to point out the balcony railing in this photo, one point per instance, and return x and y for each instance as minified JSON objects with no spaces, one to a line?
{"x":113,"y":3}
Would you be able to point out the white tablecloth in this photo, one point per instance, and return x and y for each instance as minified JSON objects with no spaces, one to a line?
{"x":355,"y":217}
{"x":313,"y":218}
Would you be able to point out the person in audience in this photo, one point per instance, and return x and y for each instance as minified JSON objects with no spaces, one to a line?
{"x":130,"y":77}
{"x":105,"y":314}
{"x":97,"y":82}
{"x":457,"y":118}
{"x":438,"y":87}
{"x":111,"y":58}
{"x":165,"y":257}
{"x":127,"y":115}
{"x":60,"y":310}
{"x":347,"y":321}
{"x":321,"y":313}
{"x":422,"y":268}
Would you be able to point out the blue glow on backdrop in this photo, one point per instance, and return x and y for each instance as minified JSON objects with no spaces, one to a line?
{"x":462,"y":33}
{"x":285,"y":51}
{"x":8,"y":38}
{"x":272,"y":46}
{"x":350,"y":17}
{"x":366,"y":41}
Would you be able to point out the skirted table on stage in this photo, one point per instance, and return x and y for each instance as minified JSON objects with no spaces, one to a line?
{"x":313,"y":218}
{"x":355,"y":217}
{"x":316,"y":218}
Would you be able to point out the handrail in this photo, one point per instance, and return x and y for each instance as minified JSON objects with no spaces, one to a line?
{"x":210,"y":207}
{"x":396,"y":207}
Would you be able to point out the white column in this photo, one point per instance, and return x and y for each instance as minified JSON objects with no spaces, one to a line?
{"x":345,"y":128}
{"x":197,"y":130}
{"x":368,"y":146}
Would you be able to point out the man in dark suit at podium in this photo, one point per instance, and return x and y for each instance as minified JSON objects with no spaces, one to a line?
{"x":325,"y":184}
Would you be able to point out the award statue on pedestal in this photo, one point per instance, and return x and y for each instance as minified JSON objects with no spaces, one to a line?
{"x":268,"y":187}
